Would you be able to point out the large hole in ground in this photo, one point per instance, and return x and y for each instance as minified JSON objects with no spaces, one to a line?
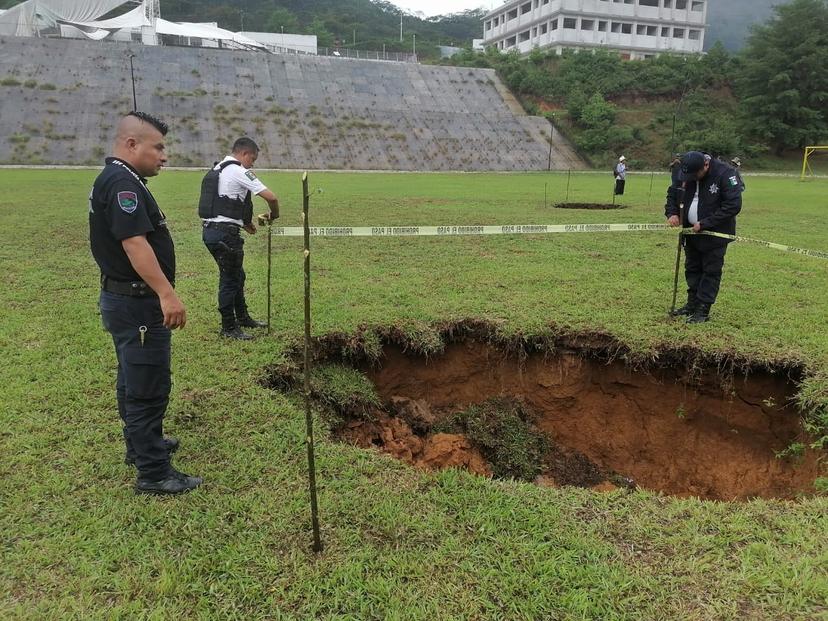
{"x":572,"y":418}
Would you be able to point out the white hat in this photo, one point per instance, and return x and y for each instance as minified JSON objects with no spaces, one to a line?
{"x":622,"y":158}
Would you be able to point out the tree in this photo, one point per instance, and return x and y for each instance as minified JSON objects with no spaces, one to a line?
{"x":784,"y":79}
{"x":282,"y":20}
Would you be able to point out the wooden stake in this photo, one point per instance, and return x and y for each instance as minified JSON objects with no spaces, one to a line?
{"x":317,"y":540}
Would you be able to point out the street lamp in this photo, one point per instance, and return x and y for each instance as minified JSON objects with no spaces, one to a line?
{"x":132,"y":73}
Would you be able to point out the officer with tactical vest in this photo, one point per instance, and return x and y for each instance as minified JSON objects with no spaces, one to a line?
{"x":226,"y":207}
{"x":711,"y":193}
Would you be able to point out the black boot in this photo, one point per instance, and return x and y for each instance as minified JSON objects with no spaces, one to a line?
{"x":700,"y":315}
{"x":170,"y":442}
{"x":246,"y":321}
{"x":231,"y":330}
{"x":687,"y":310}
{"x":175,"y":483}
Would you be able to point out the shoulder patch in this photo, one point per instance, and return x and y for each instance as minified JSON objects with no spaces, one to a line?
{"x":733,"y":181}
{"x":250,"y":175}
{"x":128,"y":201}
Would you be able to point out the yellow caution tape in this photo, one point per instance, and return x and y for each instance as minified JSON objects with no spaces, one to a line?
{"x":758,"y":242}
{"x":517,"y":229}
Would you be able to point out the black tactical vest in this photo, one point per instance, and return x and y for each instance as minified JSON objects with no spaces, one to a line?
{"x":210,"y":204}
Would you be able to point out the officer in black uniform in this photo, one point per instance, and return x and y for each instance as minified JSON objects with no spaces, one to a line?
{"x":712,"y":197}
{"x":139,"y":307}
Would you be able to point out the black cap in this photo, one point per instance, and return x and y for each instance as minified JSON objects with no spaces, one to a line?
{"x":691,"y":163}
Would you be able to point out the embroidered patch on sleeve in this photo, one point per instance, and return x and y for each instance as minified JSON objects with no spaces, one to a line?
{"x":128,"y":201}
{"x":251,"y":175}
{"x":733,"y":181}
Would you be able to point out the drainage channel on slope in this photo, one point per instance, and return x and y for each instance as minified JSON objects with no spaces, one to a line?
{"x":570,"y":418}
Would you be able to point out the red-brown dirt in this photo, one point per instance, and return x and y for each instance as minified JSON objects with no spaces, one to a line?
{"x":679,"y":435}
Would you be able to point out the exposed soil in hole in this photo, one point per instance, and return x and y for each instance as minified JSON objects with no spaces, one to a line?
{"x":608,"y":425}
{"x":588,"y":206}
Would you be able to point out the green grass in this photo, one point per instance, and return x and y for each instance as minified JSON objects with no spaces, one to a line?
{"x":400,"y":543}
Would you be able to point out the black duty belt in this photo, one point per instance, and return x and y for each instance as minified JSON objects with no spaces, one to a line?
{"x":134,"y":288}
{"x":222,"y":226}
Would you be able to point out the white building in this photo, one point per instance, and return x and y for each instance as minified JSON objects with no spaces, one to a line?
{"x":636,"y":28}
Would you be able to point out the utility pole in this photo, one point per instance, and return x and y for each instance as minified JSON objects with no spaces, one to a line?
{"x":132,"y":73}
{"x":401,"y":33}
{"x":415,"y":45}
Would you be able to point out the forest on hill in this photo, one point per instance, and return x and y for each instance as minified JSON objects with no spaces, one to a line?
{"x":768,"y":99}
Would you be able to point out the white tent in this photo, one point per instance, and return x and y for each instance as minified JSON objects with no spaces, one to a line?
{"x":28,"y":18}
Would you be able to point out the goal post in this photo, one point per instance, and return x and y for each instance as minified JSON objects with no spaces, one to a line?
{"x":806,"y":163}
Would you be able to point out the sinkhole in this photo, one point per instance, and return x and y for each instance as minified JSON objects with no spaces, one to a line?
{"x":571,"y":416}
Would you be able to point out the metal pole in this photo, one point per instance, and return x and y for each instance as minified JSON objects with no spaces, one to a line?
{"x":650,"y":195}
{"x":132,"y":73}
{"x":568,"y":178}
{"x":317,"y":540}
{"x":551,"y":136}
{"x":678,"y":251}
{"x":269,"y":268}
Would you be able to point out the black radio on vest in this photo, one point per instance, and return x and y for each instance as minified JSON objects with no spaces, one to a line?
{"x":210,"y":204}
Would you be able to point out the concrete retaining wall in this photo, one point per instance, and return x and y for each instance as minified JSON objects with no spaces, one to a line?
{"x":60,"y":101}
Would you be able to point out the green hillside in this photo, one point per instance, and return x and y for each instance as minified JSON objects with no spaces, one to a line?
{"x":363,"y":24}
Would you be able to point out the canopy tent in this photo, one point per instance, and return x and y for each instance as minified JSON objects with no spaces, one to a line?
{"x":79,"y":17}
{"x":205,"y":31}
{"x":27,"y":18}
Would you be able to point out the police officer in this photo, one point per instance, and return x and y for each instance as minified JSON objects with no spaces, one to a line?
{"x":139,"y":307}
{"x":712,"y":197}
{"x":225,"y":209}
{"x":620,"y":173}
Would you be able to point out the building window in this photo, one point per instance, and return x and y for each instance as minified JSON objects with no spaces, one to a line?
{"x":511,"y":14}
{"x":546,"y":1}
{"x":587,"y":24}
{"x":511,"y":41}
{"x":678,"y":33}
{"x":652,"y":31}
{"x":544,"y":28}
{"x":640,"y":29}
{"x":602,"y":26}
{"x":494,"y":22}
{"x":697,"y":6}
{"x":668,"y":4}
{"x":554,"y":24}
{"x":694,"y":34}
{"x":665,"y":31}
{"x":524,"y":36}
{"x":570,"y":22}
{"x":648,"y":3}
{"x":525,"y":8}
{"x":488,"y":25}
{"x":681,"y":5}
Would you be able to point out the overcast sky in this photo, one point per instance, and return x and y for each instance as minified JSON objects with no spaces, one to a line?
{"x":442,"y":7}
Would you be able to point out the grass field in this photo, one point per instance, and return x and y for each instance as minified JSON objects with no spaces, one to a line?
{"x":400,"y":543}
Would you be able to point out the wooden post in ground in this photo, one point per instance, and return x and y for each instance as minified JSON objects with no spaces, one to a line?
{"x":317,"y":540}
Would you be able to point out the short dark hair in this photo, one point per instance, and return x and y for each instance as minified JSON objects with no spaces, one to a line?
{"x":245,"y":144}
{"x":158,"y":124}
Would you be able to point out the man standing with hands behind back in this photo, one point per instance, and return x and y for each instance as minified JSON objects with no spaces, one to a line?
{"x":226,"y":207}
{"x":139,"y":307}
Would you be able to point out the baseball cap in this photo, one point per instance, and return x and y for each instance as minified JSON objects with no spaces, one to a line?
{"x":691,"y":163}
{"x":622,"y":158}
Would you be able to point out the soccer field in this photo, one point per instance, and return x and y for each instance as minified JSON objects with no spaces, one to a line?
{"x":401,"y":542}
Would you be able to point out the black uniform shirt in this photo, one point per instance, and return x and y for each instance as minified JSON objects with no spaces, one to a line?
{"x":720,"y":198}
{"x":121,"y":206}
